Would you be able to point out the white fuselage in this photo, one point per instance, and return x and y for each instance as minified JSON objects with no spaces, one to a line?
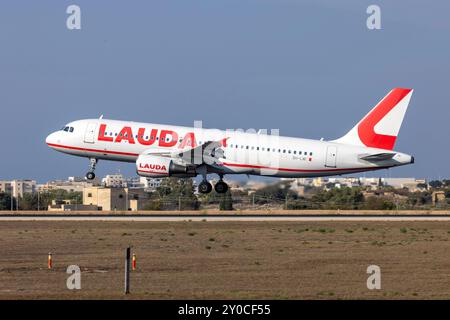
{"x":243,"y":153}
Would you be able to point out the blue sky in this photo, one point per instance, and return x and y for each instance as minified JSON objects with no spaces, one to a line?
{"x":310,"y":68}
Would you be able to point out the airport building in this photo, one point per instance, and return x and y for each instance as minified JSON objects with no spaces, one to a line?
{"x":115,"y":199}
{"x":72,"y":184}
{"x":70,"y":205}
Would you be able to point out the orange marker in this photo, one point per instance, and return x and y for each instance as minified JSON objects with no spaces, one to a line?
{"x":133,"y":262}
{"x":49,"y":262}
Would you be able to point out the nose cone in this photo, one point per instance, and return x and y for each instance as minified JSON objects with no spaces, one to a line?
{"x":51,"y":139}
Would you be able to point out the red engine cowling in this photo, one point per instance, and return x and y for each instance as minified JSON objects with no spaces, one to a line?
{"x":160,"y":167}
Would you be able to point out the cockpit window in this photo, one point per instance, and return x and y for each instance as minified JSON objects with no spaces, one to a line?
{"x":67,"y":129}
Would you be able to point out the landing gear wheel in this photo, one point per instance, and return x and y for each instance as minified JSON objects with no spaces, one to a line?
{"x":90,"y":176}
{"x":221,"y":187}
{"x":204,"y":187}
{"x":92,"y":163}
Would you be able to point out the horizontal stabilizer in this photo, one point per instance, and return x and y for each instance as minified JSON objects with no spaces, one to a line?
{"x":378,"y":157}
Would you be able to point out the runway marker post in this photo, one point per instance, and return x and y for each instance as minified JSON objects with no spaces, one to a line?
{"x":49,"y":261}
{"x":127,"y":271}
{"x":133,"y":262}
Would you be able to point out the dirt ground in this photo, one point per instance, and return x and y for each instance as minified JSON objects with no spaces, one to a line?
{"x":229,"y":260}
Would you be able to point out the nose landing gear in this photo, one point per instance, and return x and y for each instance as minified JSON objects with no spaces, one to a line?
{"x":92,"y":163}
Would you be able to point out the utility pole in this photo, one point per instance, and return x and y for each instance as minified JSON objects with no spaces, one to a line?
{"x":179,"y":203}
{"x":127,"y":271}
{"x":38,"y":201}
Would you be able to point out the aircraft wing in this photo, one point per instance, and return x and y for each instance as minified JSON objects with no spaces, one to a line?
{"x":207,"y":153}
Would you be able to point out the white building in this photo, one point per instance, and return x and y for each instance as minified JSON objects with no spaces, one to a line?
{"x":20,"y":187}
{"x":150,"y":183}
{"x":5,"y":187}
{"x":114,"y":181}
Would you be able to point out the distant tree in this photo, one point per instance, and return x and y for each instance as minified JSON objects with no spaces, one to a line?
{"x":330,"y":185}
{"x":29,"y":201}
{"x":299,"y":204}
{"x":274,"y":193}
{"x":153,"y":204}
{"x":378,"y":203}
{"x":5,"y":201}
{"x":435,"y":184}
{"x":338,"y":198}
{"x":423,"y":186}
{"x":174,"y":193}
{"x":419,"y":198}
{"x":226,"y":201}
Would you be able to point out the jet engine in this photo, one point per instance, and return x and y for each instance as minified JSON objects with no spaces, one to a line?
{"x":159,"y":167}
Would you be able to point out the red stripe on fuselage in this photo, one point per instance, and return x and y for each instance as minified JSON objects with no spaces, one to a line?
{"x":224,"y":163}
{"x":93,"y":150}
{"x":296,"y":170}
{"x":150,"y":171}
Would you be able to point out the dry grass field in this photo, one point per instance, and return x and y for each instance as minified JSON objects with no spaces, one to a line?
{"x":230,"y":260}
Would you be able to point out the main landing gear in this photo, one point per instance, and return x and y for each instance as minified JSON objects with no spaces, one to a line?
{"x":206,"y":187}
{"x":91,"y":175}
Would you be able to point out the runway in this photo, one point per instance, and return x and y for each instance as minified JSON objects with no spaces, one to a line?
{"x":221,"y":218}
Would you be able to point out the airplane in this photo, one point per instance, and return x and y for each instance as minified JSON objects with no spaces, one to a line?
{"x":165,"y":150}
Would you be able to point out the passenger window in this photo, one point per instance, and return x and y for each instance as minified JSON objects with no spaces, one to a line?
{"x":310,"y":153}
{"x":295,"y":152}
{"x":305,"y":153}
{"x":289,"y":151}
